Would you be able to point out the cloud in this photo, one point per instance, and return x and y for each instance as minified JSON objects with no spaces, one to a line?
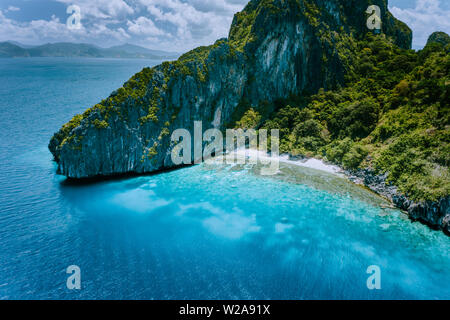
{"x":194,"y":22}
{"x":175,"y":25}
{"x":102,"y":9}
{"x":144,"y":26}
{"x":54,"y":30}
{"x":427,"y":17}
{"x":12,"y":8}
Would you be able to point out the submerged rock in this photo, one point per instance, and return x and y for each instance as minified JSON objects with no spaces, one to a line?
{"x":275,"y":48}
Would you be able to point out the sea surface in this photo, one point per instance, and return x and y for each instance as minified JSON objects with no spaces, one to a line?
{"x":204,"y":232}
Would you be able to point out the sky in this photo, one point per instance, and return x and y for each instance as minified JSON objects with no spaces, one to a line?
{"x":171,"y":25}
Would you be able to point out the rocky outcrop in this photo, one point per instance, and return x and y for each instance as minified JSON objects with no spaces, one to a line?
{"x":275,"y":48}
{"x":440,"y":38}
{"x":436,"y":214}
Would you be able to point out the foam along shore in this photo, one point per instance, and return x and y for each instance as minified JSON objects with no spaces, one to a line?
{"x":311,"y":163}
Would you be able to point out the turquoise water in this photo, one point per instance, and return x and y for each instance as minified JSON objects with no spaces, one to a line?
{"x":205,"y":232}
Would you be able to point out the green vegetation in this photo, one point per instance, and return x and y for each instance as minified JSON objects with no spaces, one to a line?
{"x":393,"y":116}
{"x":312,"y":12}
{"x":64,"y":135}
{"x":440,"y":38}
{"x":241,"y":29}
{"x":68,"y":127}
{"x":150,"y":152}
{"x":153,"y":107}
{"x":193,"y":63}
{"x":100,"y":124}
{"x":133,"y":90}
{"x":250,"y":120}
{"x":244,"y":28}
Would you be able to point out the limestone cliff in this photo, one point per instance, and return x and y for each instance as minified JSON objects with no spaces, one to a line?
{"x":275,"y":48}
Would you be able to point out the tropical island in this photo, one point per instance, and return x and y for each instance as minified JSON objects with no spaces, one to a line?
{"x":337,"y":91}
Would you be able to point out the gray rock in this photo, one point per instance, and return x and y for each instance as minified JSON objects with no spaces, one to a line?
{"x":435,"y":214}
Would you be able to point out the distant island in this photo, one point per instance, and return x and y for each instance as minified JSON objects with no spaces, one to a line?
{"x":12,"y":49}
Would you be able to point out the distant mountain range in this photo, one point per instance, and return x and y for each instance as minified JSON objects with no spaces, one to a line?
{"x":12,"y":49}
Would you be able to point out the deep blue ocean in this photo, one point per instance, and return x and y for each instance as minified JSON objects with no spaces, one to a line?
{"x":205,"y":232}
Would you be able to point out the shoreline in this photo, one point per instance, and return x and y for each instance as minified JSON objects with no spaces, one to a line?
{"x":311,"y":163}
{"x":434,"y":214}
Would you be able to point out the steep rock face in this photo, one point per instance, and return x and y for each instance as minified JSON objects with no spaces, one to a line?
{"x":275,"y":48}
{"x":435,"y":214}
